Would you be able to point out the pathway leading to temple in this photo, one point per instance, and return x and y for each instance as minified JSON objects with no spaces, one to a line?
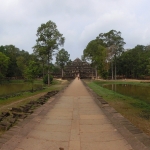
{"x":73,"y":121}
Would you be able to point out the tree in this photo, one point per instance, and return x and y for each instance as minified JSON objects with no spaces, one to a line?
{"x":134,"y":63}
{"x":40,"y":54}
{"x":69,"y":62}
{"x":18,"y":59}
{"x":12,"y":52}
{"x":31,"y":72}
{"x":2,"y":49}
{"x":114,"y":43}
{"x":62,"y":58}
{"x":95,"y":52}
{"x":48,"y":40}
{"x":21,"y":63}
{"x":4,"y":62}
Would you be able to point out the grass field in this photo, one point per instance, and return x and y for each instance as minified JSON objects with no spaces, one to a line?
{"x":135,"y":110}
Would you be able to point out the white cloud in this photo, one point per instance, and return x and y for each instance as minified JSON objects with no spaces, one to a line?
{"x":134,"y":31}
{"x":79,"y":21}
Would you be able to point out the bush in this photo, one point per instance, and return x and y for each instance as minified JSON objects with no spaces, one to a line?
{"x":1,"y":78}
{"x":45,"y":79}
{"x":104,"y":75}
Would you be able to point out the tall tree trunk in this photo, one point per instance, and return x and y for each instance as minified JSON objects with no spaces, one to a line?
{"x":32,"y":87}
{"x":62,"y":72}
{"x":43,"y":74}
{"x":48,"y":71}
{"x":115,"y":67}
{"x":96,"y":72}
{"x":115,"y":70}
{"x":112,"y":70}
{"x":43,"y":69}
{"x":112,"y":65}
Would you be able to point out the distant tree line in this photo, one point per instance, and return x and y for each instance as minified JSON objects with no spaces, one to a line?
{"x":107,"y":54}
{"x":134,"y":63}
{"x":16,"y":63}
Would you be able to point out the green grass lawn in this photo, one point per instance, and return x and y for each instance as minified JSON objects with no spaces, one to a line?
{"x":136,"y":110}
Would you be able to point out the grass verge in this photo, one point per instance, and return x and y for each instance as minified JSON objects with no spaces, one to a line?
{"x":135,"y":110}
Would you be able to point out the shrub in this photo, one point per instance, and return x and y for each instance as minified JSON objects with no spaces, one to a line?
{"x":104,"y":75}
{"x":45,"y":79}
{"x":1,"y":78}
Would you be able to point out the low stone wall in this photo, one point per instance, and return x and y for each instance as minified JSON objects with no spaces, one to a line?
{"x":8,"y":119}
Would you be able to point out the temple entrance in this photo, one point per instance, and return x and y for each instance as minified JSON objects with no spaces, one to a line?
{"x":78,"y":67}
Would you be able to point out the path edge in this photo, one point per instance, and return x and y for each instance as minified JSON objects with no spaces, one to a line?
{"x":133,"y":135}
{"x":19,"y":130}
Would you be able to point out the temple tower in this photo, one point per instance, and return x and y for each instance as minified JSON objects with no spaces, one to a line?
{"x":78,"y":67}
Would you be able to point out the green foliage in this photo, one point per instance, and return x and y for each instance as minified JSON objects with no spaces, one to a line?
{"x":21,"y":63}
{"x":103,"y":50}
{"x":138,"y":107}
{"x":56,"y":69}
{"x":48,"y":40}
{"x":69,"y":62}
{"x":12,"y":52}
{"x":148,"y":66}
{"x":1,"y":78}
{"x":114,"y":44}
{"x":96,"y":53}
{"x":4,"y":62}
{"x":112,"y":38}
{"x":16,"y":57}
{"x":134,"y":63}
{"x":104,"y":74}
{"x":31,"y":71}
{"x":45,"y":79}
{"x":62,"y":58}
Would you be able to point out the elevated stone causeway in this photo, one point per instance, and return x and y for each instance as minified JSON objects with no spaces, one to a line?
{"x":70,"y":121}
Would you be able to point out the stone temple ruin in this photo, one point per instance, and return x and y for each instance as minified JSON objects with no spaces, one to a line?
{"x":78,"y":67}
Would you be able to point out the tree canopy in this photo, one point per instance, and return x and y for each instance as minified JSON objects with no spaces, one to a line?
{"x":4,"y":62}
{"x":114,"y":44}
{"x":48,"y":40}
{"x":106,"y":54}
{"x":134,"y":63}
{"x":15,"y":56}
{"x":62,"y":58}
{"x":95,"y":52}
{"x":103,"y":50}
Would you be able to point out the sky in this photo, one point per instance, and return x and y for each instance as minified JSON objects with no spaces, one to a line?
{"x":80,"y":21}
